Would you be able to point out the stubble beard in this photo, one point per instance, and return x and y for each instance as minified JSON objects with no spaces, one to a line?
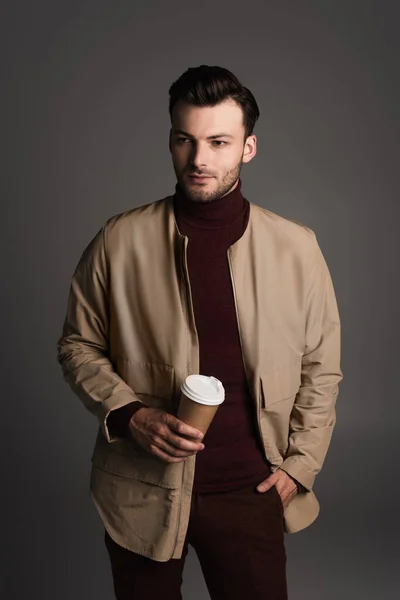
{"x":201,"y":194}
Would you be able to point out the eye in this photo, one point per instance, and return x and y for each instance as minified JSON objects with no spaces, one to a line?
{"x":218,"y":143}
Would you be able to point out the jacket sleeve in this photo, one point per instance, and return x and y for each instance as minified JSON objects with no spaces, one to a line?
{"x":83,"y":348}
{"x":313,"y":415}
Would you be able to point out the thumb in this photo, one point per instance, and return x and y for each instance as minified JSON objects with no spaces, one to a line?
{"x":268,"y":483}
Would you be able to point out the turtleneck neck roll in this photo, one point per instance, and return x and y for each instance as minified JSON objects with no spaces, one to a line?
{"x":211,"y":215}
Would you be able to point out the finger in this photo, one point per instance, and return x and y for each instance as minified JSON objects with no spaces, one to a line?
{"x":165,"y":456}
{"x":268,"y":483}
{"x":179,"y":447}
{"x":183,"y":443}
{"x":287,"y":498}
{"x":282,"y":497}
{"x":175,"y":445}
{"x":183,"y":429}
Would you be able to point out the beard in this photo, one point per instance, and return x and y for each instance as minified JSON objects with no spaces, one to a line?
{"x":202,"y":194}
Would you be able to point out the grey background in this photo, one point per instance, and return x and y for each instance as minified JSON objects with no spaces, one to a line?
{"x":85,"y":125}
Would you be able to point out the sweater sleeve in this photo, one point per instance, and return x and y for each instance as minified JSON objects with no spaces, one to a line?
{"x":118,"y":420}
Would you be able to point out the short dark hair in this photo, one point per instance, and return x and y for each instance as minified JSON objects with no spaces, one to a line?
{"x":209,"y":85}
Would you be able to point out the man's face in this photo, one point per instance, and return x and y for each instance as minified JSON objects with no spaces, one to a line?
{"x":209,"y":141}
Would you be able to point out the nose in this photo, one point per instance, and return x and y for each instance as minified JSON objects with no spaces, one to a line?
{"x":198,"y":157}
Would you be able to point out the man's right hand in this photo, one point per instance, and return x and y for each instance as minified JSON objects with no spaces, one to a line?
{"x":158,"y":432}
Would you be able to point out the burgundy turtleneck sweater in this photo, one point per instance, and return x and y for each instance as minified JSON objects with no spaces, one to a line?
{"x":233,"y":457}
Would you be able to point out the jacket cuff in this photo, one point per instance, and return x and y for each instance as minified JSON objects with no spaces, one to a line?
{"x":118,"y":420}
{"x":294,"y":467}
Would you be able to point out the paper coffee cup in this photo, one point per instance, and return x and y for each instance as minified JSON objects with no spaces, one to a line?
{"x":201,"y":396}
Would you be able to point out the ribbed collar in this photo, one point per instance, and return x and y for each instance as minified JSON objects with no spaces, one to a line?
{"x":210,"y":215}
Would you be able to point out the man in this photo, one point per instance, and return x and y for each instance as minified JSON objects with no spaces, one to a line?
{"x":204,"y":282}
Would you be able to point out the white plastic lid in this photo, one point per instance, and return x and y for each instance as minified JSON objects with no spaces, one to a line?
{"x":204,"y":389}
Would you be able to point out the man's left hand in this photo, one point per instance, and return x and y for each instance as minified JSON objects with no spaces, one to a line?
{"x":285,"y":486}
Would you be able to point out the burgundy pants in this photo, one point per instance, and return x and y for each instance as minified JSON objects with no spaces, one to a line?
{"x":239,"y":541}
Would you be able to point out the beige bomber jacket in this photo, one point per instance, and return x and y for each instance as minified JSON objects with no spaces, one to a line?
{"x":130,"y":334}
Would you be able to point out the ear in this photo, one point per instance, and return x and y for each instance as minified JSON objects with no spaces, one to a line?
{"x":250,"y":149}
{"x":169,"y":141}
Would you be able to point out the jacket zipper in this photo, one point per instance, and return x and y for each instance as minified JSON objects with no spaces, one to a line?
{"x":189,"y":313}
{"x":241,"y":345}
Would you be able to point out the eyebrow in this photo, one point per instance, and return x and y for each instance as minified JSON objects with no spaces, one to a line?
{"x":210,"y":137}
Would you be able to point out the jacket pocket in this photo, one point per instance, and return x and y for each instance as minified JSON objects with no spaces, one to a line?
{"x":128,"y":460}
{"x":153,"y":383}
{"x":279,"y":384}
{"x":139,"y":515}
{"x":278,"y":391}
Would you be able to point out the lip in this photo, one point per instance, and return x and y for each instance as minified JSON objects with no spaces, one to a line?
{"x":199,"y":178}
